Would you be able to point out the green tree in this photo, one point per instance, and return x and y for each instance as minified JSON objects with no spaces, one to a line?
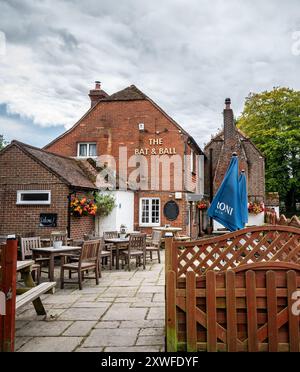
{"x":272,"y":121}
{"x":3,"y":143}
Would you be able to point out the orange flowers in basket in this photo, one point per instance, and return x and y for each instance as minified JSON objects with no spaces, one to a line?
{"x":203,"y":204}
{"x":83,"y":207}
{"x":256,"y":208}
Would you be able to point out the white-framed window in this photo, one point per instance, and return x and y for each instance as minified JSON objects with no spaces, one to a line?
{"x":149,"y":212}
{"x":87,"y":149}
{"x":34,"y":197}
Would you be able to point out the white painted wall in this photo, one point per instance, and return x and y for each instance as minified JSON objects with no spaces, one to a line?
{"x":256,"y":219}
{"x":253,"y":220}
{"x":123,"y":213}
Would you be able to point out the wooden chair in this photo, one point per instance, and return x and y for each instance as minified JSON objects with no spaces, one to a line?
{"x":106,"y":250}
{"x":58,"y":236}
{"x":26,"y":251}
{"x":89,"y":260}
{"x":154,"y":244}
{"x":106,"y":254}
{"x":109,"y":246}
{"x":136,"y":249}
{"x":110,"y":234}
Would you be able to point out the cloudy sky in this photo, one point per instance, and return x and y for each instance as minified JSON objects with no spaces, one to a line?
{"x":187,"y":55}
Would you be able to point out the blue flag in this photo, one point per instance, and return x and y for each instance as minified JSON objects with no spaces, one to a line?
{"x":244,"y":197}
{"x":226,"y":205}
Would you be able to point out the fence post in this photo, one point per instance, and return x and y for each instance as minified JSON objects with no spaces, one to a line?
{"x":171,"y":321}
{"x":8,"y":286}
{"x":168,"y":254}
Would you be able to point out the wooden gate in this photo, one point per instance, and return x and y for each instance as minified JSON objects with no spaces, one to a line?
{"x":235,"y":292}
{"x":8,"y":269}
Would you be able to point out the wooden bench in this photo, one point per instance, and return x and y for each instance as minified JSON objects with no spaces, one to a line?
{"x":33,"y":295}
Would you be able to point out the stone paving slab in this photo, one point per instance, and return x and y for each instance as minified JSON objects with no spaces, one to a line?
{"x":40,"y":328}
{"x":150,"y":340}
{"x":51,"y":344}
{"x":137,"y":349}
{"x":112,"y":337}
{"x":82,"y":313}
{"x":80,"y":328}
{"x":125,"y":312}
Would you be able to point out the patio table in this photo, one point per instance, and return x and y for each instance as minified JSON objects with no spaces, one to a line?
{"x":169,"y":229}
{"x":118,"y":244}
{"x":46,"y":241}
{"x":52,"y":252}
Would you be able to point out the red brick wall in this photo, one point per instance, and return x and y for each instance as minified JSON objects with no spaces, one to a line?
{"x":18,"y":171}
{"x":82,"y":225}
{"x":115,"y":124}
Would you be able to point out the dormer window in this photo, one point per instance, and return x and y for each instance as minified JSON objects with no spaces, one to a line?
{"x":87,"y":150}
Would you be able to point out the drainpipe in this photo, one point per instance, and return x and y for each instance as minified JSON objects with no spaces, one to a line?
{"x":69,"y":213}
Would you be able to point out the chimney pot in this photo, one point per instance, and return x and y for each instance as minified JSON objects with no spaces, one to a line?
{"x":97,"y":94}
{"x":227,"y":103}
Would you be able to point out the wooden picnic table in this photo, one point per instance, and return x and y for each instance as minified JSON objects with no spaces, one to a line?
{"x":118,"y":244}
{"x":52,"y":252}
{"x":24,"y":268}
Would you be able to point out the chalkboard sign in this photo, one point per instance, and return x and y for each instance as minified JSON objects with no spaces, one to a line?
{"x":48,"y":220}
{"x":171,"y":210}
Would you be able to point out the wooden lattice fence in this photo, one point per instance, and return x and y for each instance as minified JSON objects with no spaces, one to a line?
{"x":246,"y":309}
{"x":234,"y":293}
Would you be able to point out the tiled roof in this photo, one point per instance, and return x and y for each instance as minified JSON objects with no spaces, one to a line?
{"x":131,"y":93}
{"x":71,"y":171}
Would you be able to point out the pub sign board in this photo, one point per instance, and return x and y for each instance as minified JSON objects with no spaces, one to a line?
{"x":48,"y":220}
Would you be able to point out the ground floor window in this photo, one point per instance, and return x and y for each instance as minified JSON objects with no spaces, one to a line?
{"x":149,"y":212}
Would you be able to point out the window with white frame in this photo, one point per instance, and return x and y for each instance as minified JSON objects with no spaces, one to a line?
{"x":87,"y":150}
{"x":149,"y":212}
{"x":34,"y":197}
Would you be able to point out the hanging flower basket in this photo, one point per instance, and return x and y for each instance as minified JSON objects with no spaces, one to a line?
{"x":256,"y":208}
{"x":203,"y":205}
{"x":83,"y":207}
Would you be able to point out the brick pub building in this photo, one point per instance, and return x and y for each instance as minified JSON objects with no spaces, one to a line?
{"x":131,"y":121}
{"x":35,"y":192}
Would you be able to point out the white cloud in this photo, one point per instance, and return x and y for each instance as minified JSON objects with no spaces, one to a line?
{"x":187,"y":56}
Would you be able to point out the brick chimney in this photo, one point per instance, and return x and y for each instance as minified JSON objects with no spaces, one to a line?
{"x":229,"y":126}
{"x":97,"y":94}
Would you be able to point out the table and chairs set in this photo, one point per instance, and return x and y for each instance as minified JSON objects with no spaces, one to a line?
{"x":80,"y":257}
{"x":89,"y":254}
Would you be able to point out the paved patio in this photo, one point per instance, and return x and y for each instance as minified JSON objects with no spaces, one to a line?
{"x":125,"y":312}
